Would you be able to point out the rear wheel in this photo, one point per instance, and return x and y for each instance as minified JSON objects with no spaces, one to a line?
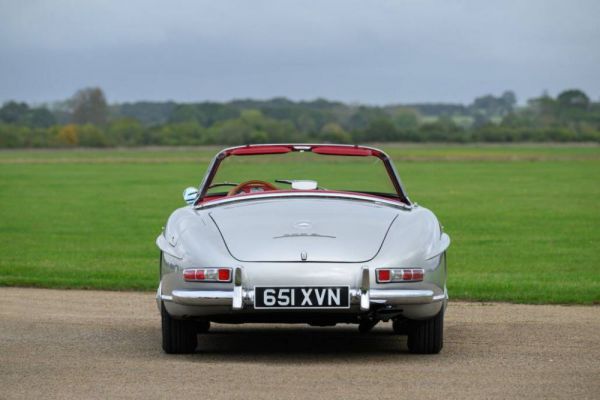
{"x":401,"y":326}
{"x":202,"y":325}
{"x":427,"y":337}
{"x":178,"y":336}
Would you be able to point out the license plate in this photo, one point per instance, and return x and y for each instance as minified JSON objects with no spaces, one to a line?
{"x":302,"y":297}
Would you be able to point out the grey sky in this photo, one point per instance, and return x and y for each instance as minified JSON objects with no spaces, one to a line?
{"x":358,"y":51}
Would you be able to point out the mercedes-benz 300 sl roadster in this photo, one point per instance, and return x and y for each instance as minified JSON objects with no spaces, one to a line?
{"x":301,"y":233}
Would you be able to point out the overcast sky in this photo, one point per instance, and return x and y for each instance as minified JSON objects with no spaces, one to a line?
{"x":371,"y":52}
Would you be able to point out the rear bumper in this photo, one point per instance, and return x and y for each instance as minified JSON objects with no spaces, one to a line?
{"x":241,"y":299}
{"x":237,"y":301}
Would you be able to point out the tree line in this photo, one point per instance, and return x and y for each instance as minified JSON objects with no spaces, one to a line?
{"x":87,"y":120}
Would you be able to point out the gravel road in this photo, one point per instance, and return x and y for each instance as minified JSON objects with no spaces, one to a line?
{"x":91,"y":344}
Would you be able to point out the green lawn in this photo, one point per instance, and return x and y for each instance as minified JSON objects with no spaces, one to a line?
{"x":524,"y":220}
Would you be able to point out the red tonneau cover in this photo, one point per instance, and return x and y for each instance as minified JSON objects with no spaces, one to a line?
{"x":342,"y":151}
{"x":253,"y":150}
{"x":334,"y":150}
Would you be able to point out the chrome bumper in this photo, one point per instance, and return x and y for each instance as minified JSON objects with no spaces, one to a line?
{"x":239,"y":298}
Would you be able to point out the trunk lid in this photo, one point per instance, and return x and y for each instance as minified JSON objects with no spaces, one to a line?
{"x":317,"y":230}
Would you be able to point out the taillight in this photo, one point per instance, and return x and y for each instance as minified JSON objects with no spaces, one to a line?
{"x":207,"y":275}
{"x":387,"y":275}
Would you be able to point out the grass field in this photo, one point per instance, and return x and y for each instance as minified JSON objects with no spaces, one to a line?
{"x":524,"y":220}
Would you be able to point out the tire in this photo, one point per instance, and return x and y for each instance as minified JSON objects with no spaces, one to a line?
{"x":400,"y":326}
{"x":178,"y":336}
{"x":427,"y":337}
{"x":202,"y":326}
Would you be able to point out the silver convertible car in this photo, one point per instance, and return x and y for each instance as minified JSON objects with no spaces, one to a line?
{"x":302,"y":233}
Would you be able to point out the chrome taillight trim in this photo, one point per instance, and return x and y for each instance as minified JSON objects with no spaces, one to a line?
{"x":397,"y":275}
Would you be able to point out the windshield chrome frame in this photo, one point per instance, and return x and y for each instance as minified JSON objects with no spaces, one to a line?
{"x":219,"y":157}
{"x":273,"y":195}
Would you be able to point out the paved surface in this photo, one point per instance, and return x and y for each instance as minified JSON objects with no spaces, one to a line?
{"x":88,"y":344}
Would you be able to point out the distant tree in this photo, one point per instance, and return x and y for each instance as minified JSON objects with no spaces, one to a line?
{"x":523,"y":119}
{"x":573,"y":99}
{"x":438,"y":109}
{"x":147,"y":112}
{"x":231,"y":132}
{"x":91,"y":136}
{"x":125,"y":132}
{"x":480,"y":120}
{"x":334,"y":133}
{"x":442,"y":130}
{"x":573,"y":109}
{"x":363,"y":117}
{"x":13,"y":112}
{"x":406,"y":118}
{"x":544,"y":110}
{"x":89,"y":107}
{"x":490,"y":106}
{"x":183,"y":134}
{"x":185,"y":113}
{"x":252,"y":127}
{"x":510,"y":100}
{"x":82,"y":121}
{"x":380,"y":130}
{"x":68,"y":136}
{"x":206,"y":114}
{"x":9,"y":136}
{"x":41,"y":117}
{"x":62,"y":111}
{"x":306,"y":123}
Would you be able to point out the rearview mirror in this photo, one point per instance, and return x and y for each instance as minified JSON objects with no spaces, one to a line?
{"x":304,"y":185}
{"x":190,"y":194}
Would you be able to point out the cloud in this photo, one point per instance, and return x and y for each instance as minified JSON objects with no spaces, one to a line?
{"x":377,"y":52}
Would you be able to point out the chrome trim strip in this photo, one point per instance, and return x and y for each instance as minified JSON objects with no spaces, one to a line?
{"x":246,"y":297}
{"x":365,"y":302}
{"x":204,"y":297}
{"x":439,"y":297}
{"x":399,"y":296}
{"x":443,"y":296}
{"x":238,"y":301}
{"x":274,"y":195}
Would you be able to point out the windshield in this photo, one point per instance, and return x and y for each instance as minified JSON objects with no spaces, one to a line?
{"x":365,"y":174}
